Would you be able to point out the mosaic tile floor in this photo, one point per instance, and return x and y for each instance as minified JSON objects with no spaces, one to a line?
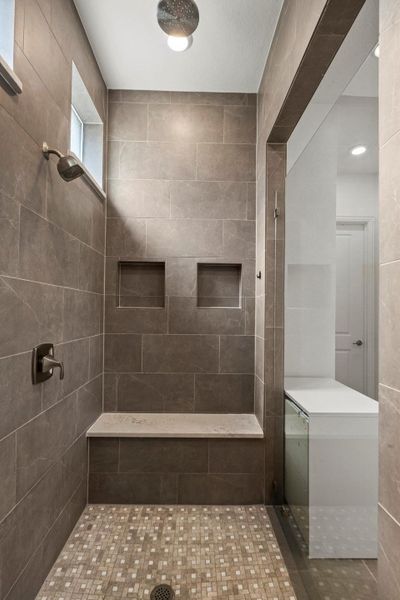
{"x":210,"y":552}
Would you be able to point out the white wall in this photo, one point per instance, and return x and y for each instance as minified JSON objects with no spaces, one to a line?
{"x":311,"y":257}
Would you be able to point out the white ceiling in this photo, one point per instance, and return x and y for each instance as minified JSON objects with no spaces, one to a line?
{"x":228,"y":53}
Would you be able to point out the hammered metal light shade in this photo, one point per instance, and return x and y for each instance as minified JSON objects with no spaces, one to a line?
{"x":178,"y":18}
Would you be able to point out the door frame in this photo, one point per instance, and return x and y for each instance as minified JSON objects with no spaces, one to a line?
{"x":370,"y":298}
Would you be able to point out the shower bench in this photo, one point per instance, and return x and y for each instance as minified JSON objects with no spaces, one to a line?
{"x":166,"y":458}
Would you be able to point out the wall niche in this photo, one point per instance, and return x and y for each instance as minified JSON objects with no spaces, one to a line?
{"x":141,"y":284}
{"x":219,"y":285}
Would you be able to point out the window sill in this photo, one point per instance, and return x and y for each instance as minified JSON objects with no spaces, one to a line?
{"x":9,"y":79}
{"x":88,"y":177}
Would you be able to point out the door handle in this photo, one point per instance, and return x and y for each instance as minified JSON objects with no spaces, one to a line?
{"x":358,"y":343}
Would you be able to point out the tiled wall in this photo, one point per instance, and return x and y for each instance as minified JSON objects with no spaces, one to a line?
{"x":51,"y":283}
{"x":171,"y":471}
{"x":181,"y":191}
{"x":389,"y":392}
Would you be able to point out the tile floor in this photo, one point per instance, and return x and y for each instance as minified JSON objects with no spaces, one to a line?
{"x":203,"y":552}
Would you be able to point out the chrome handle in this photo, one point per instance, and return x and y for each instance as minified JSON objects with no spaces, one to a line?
{"x":49,"y":362}
{"x":358,"y":343}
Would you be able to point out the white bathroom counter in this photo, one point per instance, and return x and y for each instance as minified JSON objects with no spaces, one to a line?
{"x":174,"y":425}
{"x":318,"y":396}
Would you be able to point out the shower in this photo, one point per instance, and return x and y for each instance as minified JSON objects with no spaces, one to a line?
{"x":68,"y":166}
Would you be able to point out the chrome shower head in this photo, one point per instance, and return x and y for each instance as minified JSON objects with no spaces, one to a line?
{"x":67,"y":166}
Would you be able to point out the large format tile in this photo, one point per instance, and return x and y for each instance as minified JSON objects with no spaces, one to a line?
{"x":186,"y":317}
{"x":47,"y":253}
{"x":389,"y":83}
{"x":30,"y":313}
{"x":180,"y":354}
{"x":224,"y":393}
{"x":237,"y":354}
{"x":88,"y":404}
{"x":389,"y":549}
{"x":389,"y":324}
{"x":389,"y":210}
{"x":82,"y":314}
{"x":389,"y":465}
{"x":27,"y":185}
{"x":42,"y":441}
{"x":240,"y":124}
{"x":163,"y":456}
{"x":184,"y":238}
{"x":138,"y":198}
{"x":185,"y":123}
{"x":236,"y":456}
{"x":20,"y":400}
{"x":122,"y":352}
{"x":201,"y":488}
{"x":209,"y":199}
{"x":126,"y":237}
{"x":133,"y":319}
{"x":9,"y":234}
{"x":226,"y":162}
{"x":239,"y":239}
{"x":157,"y":160}
{"x":8,"y":477}
{"x":154,"y":392}
{"x":75,"y":356}
{"x":127,"y":121}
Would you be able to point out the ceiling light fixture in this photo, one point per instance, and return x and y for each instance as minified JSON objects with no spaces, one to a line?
{"x":358,"y":150}
{"x":179,"y":44}
{"x":178,"y":19}
{"x":377,"y":51}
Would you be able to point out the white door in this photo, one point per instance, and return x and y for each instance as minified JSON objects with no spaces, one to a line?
{"x":351,"y":306}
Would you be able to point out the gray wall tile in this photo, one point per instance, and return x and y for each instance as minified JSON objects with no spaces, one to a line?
{"x":122,"y":352}
{"x":240,"y":124}
{"x":138,"y":198}
{"x":8,"y":496}
{"x":236,"y":456}
{"x":237,"y":354}
{"x":186,"y":317}
{"x":46,"y":252}
{"x":208,"y":199}
{"x":30,"y":313}
{"x":157,"y":160}
{"x":146,"y":392}
{"x":185,"y":123}
{"x":163,"y":456}
{"x":127,"y":122}
{"x":226,"y":162}
{"x":180,"y":354}
{"x":184,"y":238}
{"x":224,"y":393}
{"x":42,"y":441}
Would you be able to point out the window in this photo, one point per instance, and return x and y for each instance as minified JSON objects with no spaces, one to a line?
{"x":7,"y":75}
{"x":86,"y":129}
{"x":7,"y":10}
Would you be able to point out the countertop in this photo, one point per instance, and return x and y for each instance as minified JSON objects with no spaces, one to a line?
{"x":174,"y":425}
{"x":318,"y":396}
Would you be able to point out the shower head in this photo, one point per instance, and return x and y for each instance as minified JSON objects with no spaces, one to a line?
{"x":68,"y":166}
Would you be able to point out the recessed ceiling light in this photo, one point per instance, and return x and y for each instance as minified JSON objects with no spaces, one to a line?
{"x":376,"y":51}
{"x":358,"y":150}
{"x":179,"y":44}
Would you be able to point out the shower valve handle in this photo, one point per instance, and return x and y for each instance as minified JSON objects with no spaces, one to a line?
{"x":49,"y":362}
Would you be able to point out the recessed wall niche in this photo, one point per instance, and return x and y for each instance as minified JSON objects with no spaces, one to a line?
{"x":219,"y":285}
{"x":141,"y":284}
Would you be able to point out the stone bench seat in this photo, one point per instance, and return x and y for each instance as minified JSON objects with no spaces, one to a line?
{"x":175,"y":425}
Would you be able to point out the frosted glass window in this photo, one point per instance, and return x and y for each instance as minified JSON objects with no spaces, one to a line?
{"x":87,"y":128}
{"x":7,"y":12}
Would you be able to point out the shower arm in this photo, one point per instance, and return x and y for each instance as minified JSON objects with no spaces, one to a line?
{"x":47,"y":151}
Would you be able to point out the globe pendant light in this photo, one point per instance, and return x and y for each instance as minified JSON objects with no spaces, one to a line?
{"x":178,"y":19}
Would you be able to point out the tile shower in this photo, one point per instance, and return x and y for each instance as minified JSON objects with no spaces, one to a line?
{"x":180,"y":340}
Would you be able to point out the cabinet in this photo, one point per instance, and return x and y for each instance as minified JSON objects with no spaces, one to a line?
{"x":331,"y":467}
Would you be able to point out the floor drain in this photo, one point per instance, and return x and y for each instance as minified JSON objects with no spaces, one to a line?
{"x":162,"y":592}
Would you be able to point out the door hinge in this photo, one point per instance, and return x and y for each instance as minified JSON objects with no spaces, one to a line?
{"x":277,"y":212}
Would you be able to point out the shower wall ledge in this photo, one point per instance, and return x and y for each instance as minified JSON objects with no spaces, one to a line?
{"x":174,"y":425}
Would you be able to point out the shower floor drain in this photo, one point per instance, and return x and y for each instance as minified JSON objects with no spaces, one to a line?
{"x":162,"y":592}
